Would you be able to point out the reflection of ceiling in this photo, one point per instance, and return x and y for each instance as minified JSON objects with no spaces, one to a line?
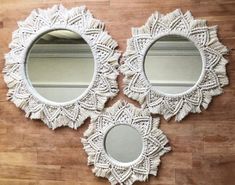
{"x":60,"y":36}
{"x":173,"y":38}
{"x":64,"y":34}
{"x":76,"y":50}
{"x":172,"y":45}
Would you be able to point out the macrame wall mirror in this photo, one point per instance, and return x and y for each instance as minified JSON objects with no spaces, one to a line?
{"x":174,"y":64}
{"x":124,"y":144}
{"x":62,"y":66}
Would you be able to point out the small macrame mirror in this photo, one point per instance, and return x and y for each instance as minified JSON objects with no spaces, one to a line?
{"x":174,"y":65}
{"x":62,"y":66}
{"x":124,"y":144}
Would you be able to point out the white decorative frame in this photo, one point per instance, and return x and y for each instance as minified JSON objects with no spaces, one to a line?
{"x":102,"y":87}
{"x":154,"y":144}
{"x":210,"y":83}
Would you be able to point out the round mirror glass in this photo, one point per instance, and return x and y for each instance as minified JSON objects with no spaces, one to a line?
{"x":123,"y":143}
{"x":60,"y":65}
{"x":173,"y":64}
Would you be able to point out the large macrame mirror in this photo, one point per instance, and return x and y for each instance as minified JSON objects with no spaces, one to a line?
{"x":174,"y":65}
{"x":62,"y":66}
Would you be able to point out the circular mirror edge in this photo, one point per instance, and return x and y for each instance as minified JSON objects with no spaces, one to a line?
{"x":25,"y":71}
{"x":115,"y":161}
{"x":203,"y":61}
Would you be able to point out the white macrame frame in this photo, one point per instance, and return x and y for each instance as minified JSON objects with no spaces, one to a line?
{"x":213,"y":76}
{"x":102,"y":87}
{"x":154,"y":144}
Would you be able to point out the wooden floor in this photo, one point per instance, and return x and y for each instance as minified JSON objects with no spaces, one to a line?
{"x":203,"y":145}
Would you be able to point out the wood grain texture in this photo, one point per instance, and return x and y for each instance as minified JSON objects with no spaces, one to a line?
{"x":203,"y":144}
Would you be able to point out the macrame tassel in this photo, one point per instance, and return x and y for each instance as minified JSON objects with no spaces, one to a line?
{"x":167,"y":114}
{"x":220,"y":70}
{"x":133,"y":178}
{"x":220,"y":67}
{"x":168,"y":18}
{"x":107,"y":40}
{"x":206,"y":100}
{"x":90,"y":151}
{"x":188,"y":17}
{"x":223,"y":80}
{"x":34,"y":112}
{"x":113,"y":181}
{"x":11,"y":82}
{"x":186,"y":108}
{"x":94,"y":24}
{"x":10,"y":61}
{"x":154,"y":163}
{"x":142,"y":30}
{"x":151,"y":21}
{"x":100,"y":172}
{"x":156,"y":122}
{"x":155,"y":106}
{"x":101,"y":100}
{"x":19,"y":102}
{"x":130,"y":50}
{"x":127,"y":71}
{"x":214,"y":41}
{"x":113,"y":60}
{"x":90,"y":130}
{"x":200,"y":24}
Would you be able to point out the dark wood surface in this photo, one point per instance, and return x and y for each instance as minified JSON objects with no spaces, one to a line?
{"x":203,"y":144}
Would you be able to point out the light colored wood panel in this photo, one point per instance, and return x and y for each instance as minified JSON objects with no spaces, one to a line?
{"x":17,"y":182}
{"x":178,"y":160}
{"x":30,"y":172}
{"x":51,"y":182}
{"x":64,"y":156}
{"x":18,"y":158}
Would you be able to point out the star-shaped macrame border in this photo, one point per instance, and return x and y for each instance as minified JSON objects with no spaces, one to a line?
{"x":102,"y":87}
{"x":154,"y":144}
{"x":210,"y":83}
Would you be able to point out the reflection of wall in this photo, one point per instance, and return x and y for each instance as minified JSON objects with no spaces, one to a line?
{"x":60,"y":72}
{"x":173,"y":66}
{"x":60,"y":94}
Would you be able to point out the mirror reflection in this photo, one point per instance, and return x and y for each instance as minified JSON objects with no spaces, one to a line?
{"x":60,"y":65}
{"x":173,"y":64}
{"x":123,"y":143}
